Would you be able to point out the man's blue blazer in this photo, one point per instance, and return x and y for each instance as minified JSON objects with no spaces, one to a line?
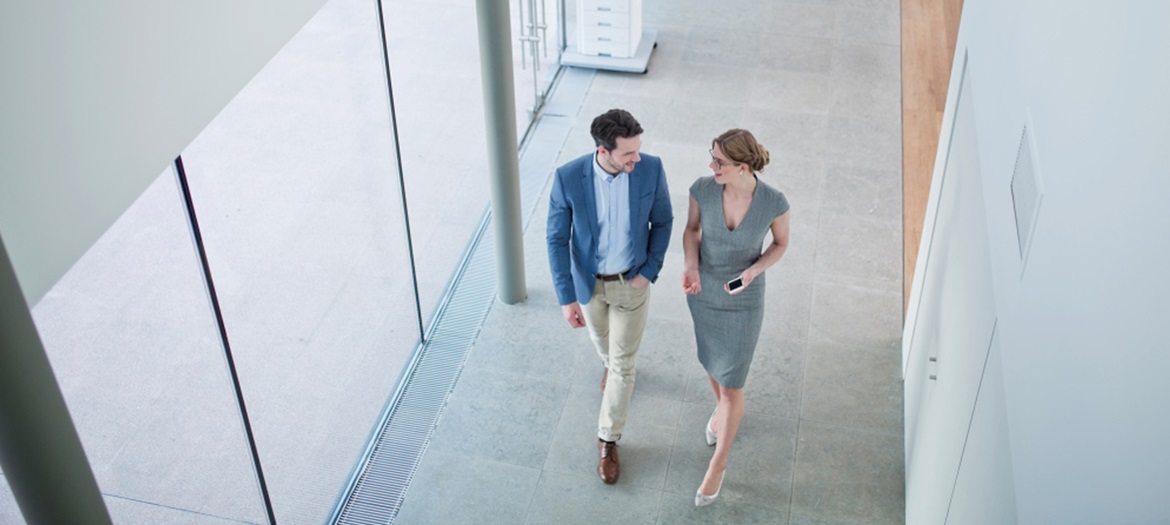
{"x":573,"y":227}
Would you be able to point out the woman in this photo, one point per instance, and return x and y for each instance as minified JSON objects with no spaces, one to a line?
{"x":730,"y":214}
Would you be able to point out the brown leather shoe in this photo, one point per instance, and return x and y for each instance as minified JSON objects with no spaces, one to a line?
{"x":607,"y":467}
{"x":604,"y":376}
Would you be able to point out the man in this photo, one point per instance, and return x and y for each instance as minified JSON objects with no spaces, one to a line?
{"x":609,"y":223}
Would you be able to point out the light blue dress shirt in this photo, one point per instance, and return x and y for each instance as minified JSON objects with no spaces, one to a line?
{"x":614,"y":247}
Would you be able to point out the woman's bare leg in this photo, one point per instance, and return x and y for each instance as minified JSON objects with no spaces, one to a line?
{"x":716,"y":414}
{"x":729,"y":415}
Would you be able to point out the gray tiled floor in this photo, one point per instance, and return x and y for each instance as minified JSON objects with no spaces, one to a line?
{"x":821,"y":442}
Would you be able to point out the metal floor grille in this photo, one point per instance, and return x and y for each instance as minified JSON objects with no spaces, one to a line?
{"x":379,"y":489}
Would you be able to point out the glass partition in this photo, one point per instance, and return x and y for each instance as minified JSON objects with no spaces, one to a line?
{"x":438,"y":98}
{"x":300,"y":205}
{"x":134,"y":346}
{"x":298,"y":197}
{"x":536,"y":54}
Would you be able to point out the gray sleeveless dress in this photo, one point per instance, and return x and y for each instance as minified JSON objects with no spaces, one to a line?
{"x":728,"y":326}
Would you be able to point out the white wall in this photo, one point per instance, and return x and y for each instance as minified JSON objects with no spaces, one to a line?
{"x":98,"y":97}
{"x":1085,"y":354}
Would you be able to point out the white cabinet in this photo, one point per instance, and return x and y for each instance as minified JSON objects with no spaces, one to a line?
{"x":609,"y":28}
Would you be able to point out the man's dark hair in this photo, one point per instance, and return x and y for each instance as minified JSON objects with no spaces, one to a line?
{"x":612,"y":124}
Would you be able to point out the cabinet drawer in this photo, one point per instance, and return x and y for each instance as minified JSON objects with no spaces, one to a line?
{"x":607,"y":34}
{"x":611,"y":49}
{"x":605,"y":6}
{"x":606,"y":19}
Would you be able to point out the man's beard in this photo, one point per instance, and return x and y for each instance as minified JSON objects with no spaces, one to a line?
{"x":612,"y":165}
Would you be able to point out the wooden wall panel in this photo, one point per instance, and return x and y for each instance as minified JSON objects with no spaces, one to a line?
{"x":929,"y":30}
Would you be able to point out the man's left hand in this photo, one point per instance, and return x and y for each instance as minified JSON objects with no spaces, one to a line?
{"x":639,"y":282}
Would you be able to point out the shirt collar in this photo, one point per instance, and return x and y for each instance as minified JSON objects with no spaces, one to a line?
{"x":602,"y":174}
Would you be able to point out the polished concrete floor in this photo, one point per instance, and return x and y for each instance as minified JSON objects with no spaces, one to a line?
{"x":821,"y":442}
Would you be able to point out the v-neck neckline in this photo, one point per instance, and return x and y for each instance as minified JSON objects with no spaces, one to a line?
{"x":723,"y":209}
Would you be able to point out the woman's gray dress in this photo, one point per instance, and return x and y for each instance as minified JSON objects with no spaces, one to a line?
{"x":728,"y":326}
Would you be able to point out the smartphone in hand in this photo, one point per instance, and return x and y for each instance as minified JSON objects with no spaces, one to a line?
{"x":735,"y":285}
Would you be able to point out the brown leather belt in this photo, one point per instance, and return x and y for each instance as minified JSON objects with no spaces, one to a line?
{"x":610,"y":278}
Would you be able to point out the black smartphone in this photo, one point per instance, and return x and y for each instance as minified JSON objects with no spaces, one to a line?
{"x":734,"y":285}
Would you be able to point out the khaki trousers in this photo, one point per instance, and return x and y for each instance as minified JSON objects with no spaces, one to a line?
{"x":616,"y":319}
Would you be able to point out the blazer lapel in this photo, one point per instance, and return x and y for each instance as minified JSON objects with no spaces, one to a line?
{"x":635,"y":199}
{"x":590,"y":199}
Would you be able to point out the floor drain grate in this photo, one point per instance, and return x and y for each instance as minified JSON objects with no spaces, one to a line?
{"x":378,"y":491}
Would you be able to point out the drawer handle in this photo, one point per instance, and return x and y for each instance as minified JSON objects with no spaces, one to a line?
{"x":604,"y":39}
{"x":604,"y":24}
{"x":604,"y":9}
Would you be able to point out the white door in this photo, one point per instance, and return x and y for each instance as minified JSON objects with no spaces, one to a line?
{"x":952,"y":333}
{"x":985,"y":489}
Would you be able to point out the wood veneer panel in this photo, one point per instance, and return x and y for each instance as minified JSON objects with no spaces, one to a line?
{"x":929,"y":30}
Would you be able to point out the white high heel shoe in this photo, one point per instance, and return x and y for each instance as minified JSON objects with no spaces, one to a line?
{"x":702,"y":500}
{"x":712,"y":438}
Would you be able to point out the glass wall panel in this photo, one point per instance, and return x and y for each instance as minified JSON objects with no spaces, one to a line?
{"x":536,"y":54}
{"x":438,"y":96}
{"x":133,"y":342}
{"x":298,"y":196}
{"x":551,"y":17}
{"x":438,"y":93}
{"x":569,"y":12}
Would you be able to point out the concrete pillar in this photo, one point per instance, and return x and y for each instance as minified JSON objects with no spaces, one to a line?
{"x":499,"y":97}
{"x":40,"y":452}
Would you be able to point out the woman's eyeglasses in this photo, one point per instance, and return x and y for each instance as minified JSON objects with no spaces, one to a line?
{"x":719,"y":162}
